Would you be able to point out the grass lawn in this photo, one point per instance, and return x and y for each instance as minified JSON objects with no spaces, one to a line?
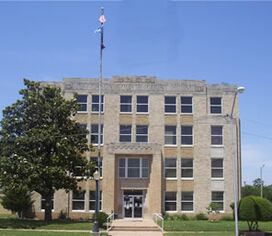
{"x":34,"y":233}
{"x":207,"y":226}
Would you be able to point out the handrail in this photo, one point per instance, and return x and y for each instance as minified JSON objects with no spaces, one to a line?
{"x":158,"y":217}
{"x":110,"y":218}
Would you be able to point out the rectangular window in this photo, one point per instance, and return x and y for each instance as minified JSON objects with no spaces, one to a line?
{"x":43,"y":203}
{"x":170,"y":104}
{"x":83,"y":127}
{"x":217,"y":135}
{"x":92,"y":201}
{"x":78,"y":200}
{"x":170,"y":201}
{"x":170,"y":135}
{"x":142,"y":104}
{"x":186,"y":104}
{"x":187,"y":135}
{"x":187,"y":201}
{"x":95,"y":161}
{"x":215,"y":105}
{"x":217,"y":167}
{"x":170,"y":168}
{"x":187,"y":168}
{"x":82,"y":102}
{"x":141,"y":133}
{"x":95,"y":103}
{"x":94,"y":134}
{"x":218,"y":198}
{"x":125,"y":103}
{"x":125,"y":133}
{"x":133,"y":168}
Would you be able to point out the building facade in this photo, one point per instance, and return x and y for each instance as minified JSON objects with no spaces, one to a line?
{"x":166,"y":146}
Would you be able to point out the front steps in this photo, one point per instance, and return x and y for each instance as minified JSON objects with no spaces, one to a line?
{"x":131,"y":227}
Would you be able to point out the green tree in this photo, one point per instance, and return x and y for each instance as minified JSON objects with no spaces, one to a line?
{"x":41,"y":146}
{"x":254,"y":209}
{"x":17,"y":200}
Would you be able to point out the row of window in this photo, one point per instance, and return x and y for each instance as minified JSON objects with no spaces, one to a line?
{"x":187,"y":201}
{"x":78,"y":201}
{"x":187,"y":168}
{"x":142,"y":104}
{"x":170,"y":134}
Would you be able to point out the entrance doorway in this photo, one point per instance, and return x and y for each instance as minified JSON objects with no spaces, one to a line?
{"x":133,"y":204}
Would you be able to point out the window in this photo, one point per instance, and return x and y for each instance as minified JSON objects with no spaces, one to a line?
{"x":170,"y":201}
{"x":217,"y":135}
{"x":187,"y":169}
{"x":83,"y":127}
{"x":186,"y":104}
{"x":170,"y":168}
{"x":95,"y":160}
{"x":95,"y":103}
{"x":186,"y":135}
{"x":133,"y":168}
{"x":92,"y":201}
{"x":43,"y":203}
{"x":125,"y":103}
{"x":78,"y":200}
{"x":142,"y":133}
{"x":82,"y":102}
{"x":217,"y":167}
{"x":170,"y":135}
{"x":187,"y":201}
{"x":170,"y":104}
{"x":142,"y":104}
{"x":94,"y":134}
{"x":125,"y":133}
{"x":216,"y":105}
{"x":218,"y":198}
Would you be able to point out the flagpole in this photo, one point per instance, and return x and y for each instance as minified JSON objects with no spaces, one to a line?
{"x":97,"y":202}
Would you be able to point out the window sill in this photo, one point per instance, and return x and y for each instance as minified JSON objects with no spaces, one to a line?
{"x":171,"y":211}
{"x":217,"y":179}
{"x":96,"y":145}
{"x":82,"y":112}
{"x":171,"y":178}
{"x":126,"y":113}
{"x":97,"y":112}
{"x":187,"y":211}
{"x":217,"y":145}
{"x":187,"y":114}
{"x":42,"y":210}
{"x":172,"y":113}
{"x":142,"y":113}
{"x":79,"y":211}
{"x":170,"y":145}
{"x":187,"y":145}
{"x":182,"y":178}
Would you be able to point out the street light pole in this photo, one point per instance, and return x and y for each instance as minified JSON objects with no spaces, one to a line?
{"x":234,"y":159}
{"x":261,"y":176}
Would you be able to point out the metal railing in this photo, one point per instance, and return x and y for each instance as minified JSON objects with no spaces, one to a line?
{"x":110,"y":218}
{"x":158,"y":219}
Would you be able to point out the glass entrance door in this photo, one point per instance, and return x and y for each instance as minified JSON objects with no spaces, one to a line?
{"x":132,"y":204}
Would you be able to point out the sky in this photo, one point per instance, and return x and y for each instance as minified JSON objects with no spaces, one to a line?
{"x":215,"y":41}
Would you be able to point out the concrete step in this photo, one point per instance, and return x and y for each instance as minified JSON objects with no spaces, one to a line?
{"x":135,"y":228}
{"x":133,"y":233}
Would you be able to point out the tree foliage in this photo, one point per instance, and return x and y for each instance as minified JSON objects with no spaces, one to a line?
{"x":41,"y":146}
{"x":17,"y":200}
{"x":254,"y":209}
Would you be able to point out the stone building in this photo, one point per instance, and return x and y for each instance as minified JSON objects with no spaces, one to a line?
{"x":167,"y":146}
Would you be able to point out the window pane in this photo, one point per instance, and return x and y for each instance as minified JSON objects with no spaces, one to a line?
{"x":170,"y":162}
{"x":217,"y":196}
{"x":188,"y":130}
{"x":216,"y":110}
{"x":170,"y":140}
{"x":215,"y":101}
{"x":217,"y":140}
{"x":217,"y":162}
{"x":187,"y":162}
{"x":145,"y":172}
{"x":187,"y":206}
{"x":125,"y":129}
{"x":142,"y":99}
{"x":187,"y":173}
{"x":186,"y":109}
{"x":170,"y":173}
{"x":81,"y":98}
{"x":216,"y":130}
{"x":142,"y":108}
{"x":170,"y":130}
{"x":145,"y":162}
{"x":170,"y":100}
{"x":78,"y":195}
{"x":95,"y":98}
{"x":122,"y":172}
{"x":170,"y":206}
{"x":125,"y":138}
{"x":134,"y":172}
{"x":78,"y":205}
{"x":187,"y":140}
{"x":125,"y":99}
{"x":122,"y":162}
{"x":141,"y":139}
{"x":141,"y":129}
{"x":217,"y":173}
{"x":186,"y":100}
{"x":125,"y":108}
{"x":133,"y":162}
{"x":171,"y":196}
{"x":170,"y":109}
{"x":188,"y":196}
{"x":82,"y":107}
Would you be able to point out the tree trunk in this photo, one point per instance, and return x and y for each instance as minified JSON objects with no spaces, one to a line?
{"x":48,"y":208}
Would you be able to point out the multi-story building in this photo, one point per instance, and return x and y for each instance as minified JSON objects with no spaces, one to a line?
{"x":166,"y":146}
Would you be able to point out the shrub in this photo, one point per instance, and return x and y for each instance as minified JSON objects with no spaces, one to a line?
{"x":228,"y":217}
{"x":213,"y":208}
{"x":102,"y":218}
{"x":254,"y":209}
{"x":201,"y":216}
